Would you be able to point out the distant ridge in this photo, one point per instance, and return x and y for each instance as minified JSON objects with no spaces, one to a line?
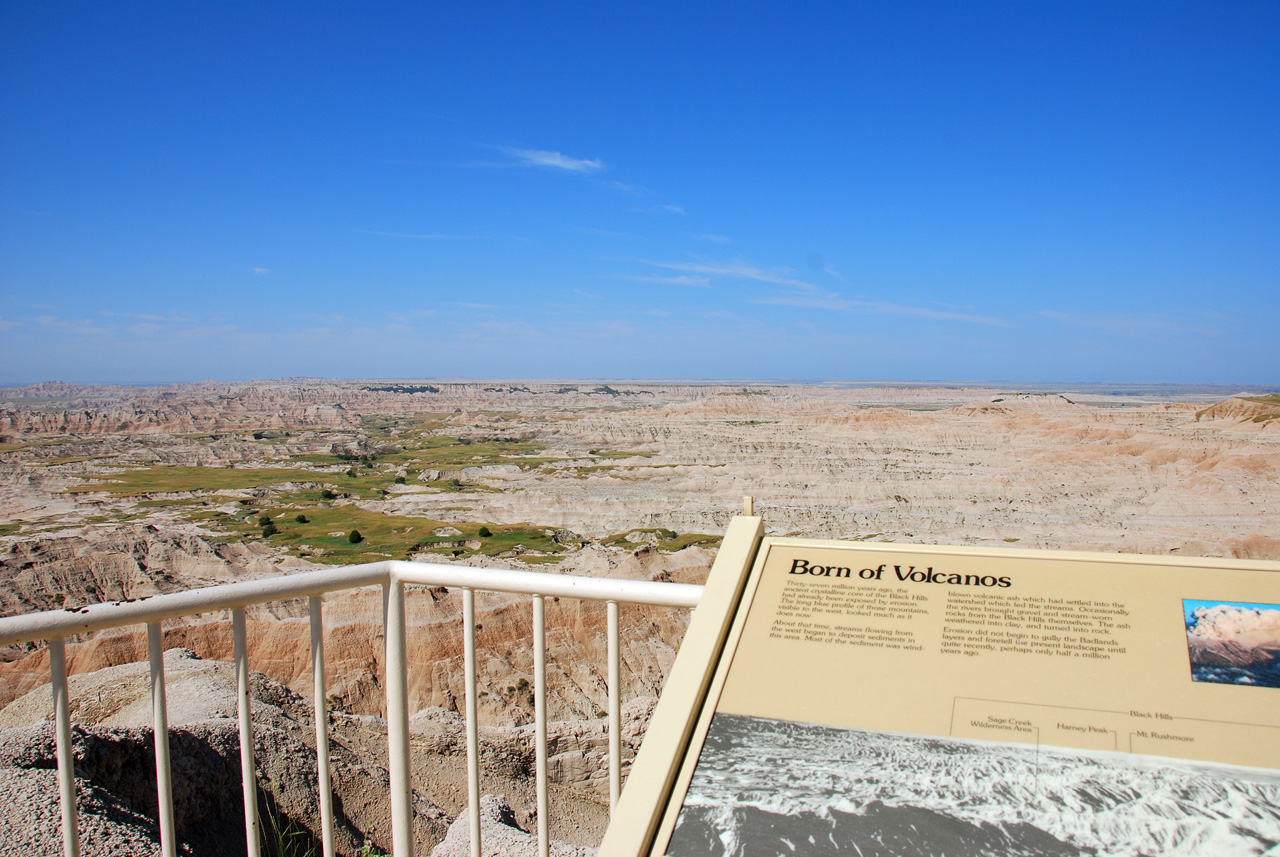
{"x":1256,"y":409}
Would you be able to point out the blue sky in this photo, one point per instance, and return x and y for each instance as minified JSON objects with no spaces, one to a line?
{"x":1022,"y":191}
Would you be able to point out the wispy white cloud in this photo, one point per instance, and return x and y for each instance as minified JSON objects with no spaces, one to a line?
{"x":146,"y":316}
{"x":674,"y":280}
{"x":669,"y":208}
{"x":715,"y":239}
{"x":605,"y":233}
{"x":832,"y":301}
{"x":735,"y":270}
{"x":262,"y":271}
{"x":801,"y":293}
{"x":817,"y":263}
{"x":85,"y":326}
{"x":1133,"y":325}
{"x":555,"y":160}
{"x":830,"y":271}
{"x":430,"y":236}
{"x":409,"y":315}
{"x":210,"y":331}
{"x":7,"y":325}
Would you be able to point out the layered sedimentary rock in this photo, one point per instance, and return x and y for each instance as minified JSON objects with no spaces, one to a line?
{"x":280,"y":637}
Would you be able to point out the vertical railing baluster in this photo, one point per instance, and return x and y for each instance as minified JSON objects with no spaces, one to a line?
{"x":324,"y":784}
{"x":160,"y":726}
{"x":540,"y":721}
{"x":248,"y":780}
{"x":66,"y":758}
{"x":398,"y":722}
{"x":473,"y":727}
{"x":615,"y":711}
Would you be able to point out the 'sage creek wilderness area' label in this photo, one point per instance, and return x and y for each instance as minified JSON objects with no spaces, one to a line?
{"x":897,"y":607}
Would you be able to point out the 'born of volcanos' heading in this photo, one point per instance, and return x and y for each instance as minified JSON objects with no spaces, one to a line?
{"x":907,"y":575}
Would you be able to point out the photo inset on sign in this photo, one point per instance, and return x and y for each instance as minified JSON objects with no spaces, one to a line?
{"x":765,"y":786}
{"x":1234,"y":642}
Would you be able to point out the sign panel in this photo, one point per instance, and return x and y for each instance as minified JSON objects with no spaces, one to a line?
{"x":878,"y":699}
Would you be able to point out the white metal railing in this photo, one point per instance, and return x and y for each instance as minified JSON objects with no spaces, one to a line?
{"x":55,"y":626}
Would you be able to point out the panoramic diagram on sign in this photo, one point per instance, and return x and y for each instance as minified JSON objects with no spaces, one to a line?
{"x":766,"y":786}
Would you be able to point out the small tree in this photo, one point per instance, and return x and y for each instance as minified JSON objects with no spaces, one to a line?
{"x":263,"y":520}
{"x":269,"y":530}
{"x":354,"y":537}
{"x":326,"y":494}
{"x":302,"y":519}
{"x":485,"y":532}
{"x":399,"y":480}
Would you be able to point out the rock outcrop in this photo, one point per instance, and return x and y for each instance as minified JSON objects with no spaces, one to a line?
{"x":280,"y":640}
{"x":115,"y":760}
{"x":500,"y":835}
{"x":1259,"y":410}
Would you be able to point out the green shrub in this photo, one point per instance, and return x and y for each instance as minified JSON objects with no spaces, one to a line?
{"x":269,"y":530}
{"x":354,"y":537}
{"x":263,"y":520}
{"x":399,"y":480}
{"x":302,"y":519}
{"x":485,"y":532}
{"x":326,"y":494}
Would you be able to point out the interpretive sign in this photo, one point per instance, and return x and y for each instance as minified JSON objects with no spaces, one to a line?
{"x":880,"y":699}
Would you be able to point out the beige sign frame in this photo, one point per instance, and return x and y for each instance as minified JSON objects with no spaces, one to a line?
{"x":1135,"y":603}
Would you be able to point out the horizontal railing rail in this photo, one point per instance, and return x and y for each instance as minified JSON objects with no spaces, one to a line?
{"x":56,"y":625}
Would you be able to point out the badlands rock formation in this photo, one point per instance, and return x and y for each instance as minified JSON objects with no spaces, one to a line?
{"x":114,"y":763}
{"x":355,"y":650}
{"x":111,"y":492}
{"x":1144,"y":471}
